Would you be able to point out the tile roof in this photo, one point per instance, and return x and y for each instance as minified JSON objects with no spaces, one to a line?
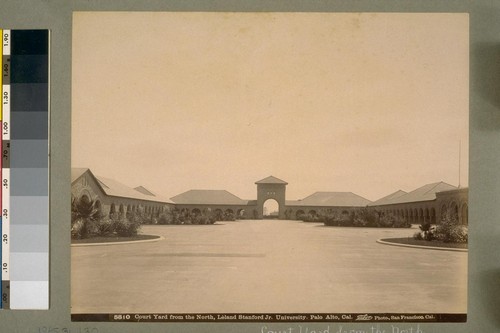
{"x":77,"y":172}
{"x":271,"y":180}
{"x":208,"y":197}
{"x":389,"y":198}
{"x":333,"y":199}
{"x":424,"y":193}
{"x":144,"y":190}
{"x":114,"y":188}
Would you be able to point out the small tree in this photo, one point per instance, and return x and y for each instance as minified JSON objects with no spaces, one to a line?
{"x":84,"y":217}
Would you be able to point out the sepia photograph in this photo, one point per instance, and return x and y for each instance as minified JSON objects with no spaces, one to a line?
{"x":269,"y":167}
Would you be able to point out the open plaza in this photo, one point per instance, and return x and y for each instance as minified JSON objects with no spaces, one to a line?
{"x":267,"y":266}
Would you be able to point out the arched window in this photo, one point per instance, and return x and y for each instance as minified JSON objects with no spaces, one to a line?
{"x":241,"y":213}
{"x":112,"y":209}
{"x":464,"y":220}
{"x":98,"y":206}
{"x":454,"y":211}
{"x":444,"y":212}
{"x":433,"y":215}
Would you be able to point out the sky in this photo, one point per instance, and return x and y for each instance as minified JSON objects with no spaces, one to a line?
{"x":368,"y":103}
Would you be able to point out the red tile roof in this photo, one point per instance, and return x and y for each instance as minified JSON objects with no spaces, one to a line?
{"x":424,"y":193}
{"x":208,"y":197}
{"x":389,"y":198}
{"x":332,"y":199}
{"x":114,"y":188}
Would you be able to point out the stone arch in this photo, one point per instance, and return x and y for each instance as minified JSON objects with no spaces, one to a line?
{"x":433,"y":215}
{"x":464,"y":214}
{"x":299,"y":213}
{"x":229,"y":214}
{"x":312,"y":212}
{"x":270,"y":206}
{"x":84,"y":199}
{"x":454,"y":210}
{"x":444,"y":211}
{"x":98,"y":206}
{"x":241,"y":213}
{"x":112,"y":208}
{"x":196,"y":212}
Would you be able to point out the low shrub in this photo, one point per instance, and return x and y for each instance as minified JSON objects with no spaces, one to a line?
{"x":364,"y":217}
{"x":449,"y":231}
{"x":418,"y":236}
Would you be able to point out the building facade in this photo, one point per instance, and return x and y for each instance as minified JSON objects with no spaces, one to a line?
{"x":426,"y":204}
{"x":111,"y":196}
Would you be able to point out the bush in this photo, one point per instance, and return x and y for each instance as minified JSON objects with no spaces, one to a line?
{"x":165,"y":218}
{"x":393,"y":221}
{"x":84,"y":217}
{"x":105,"y":227}
{"x":418,"y":236}
{"x":401,"y":222}
{"x":362,"y":217}
{"x":366,"y":217}
{"x":121,"y":225}
{"x":450,"y":231}
{"x":426,"y":231}
{"x":126,"y":229}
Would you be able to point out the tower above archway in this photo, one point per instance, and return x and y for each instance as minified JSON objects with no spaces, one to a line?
{"x":271,"y":188}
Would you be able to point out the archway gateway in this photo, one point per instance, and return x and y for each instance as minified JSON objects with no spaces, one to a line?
{"x":271,"y":188}
{"x":271,"y":209}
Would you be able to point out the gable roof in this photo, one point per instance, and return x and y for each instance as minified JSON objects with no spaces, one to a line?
{"x":144,"y":190}
{"x":424,"y":193}
{"x":112,"y":187}
{"x":208,"y":197}
{"x":334,"y":199}
{"x":271,"y":180}
{"x":389,"y":198}
{"x":77,"y":172}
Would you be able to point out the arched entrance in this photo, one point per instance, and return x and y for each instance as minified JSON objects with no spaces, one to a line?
{"x":271,"y":188}
{"x":271,"y":209}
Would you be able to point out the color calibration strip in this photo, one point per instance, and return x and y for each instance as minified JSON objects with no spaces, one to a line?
{"x":25,"y":169}
{"x":4,"y":207}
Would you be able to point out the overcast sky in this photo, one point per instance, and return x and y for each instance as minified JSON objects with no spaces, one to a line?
{"x":366,"y":103}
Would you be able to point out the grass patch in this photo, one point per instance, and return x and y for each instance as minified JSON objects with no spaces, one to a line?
{"x":433,"y":243}
{"x":112,"y":239}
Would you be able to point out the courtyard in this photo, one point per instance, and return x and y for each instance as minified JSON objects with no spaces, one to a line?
{"x":267,"y":266}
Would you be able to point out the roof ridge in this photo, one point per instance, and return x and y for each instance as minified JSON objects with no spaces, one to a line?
{"x":433,"y":187}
